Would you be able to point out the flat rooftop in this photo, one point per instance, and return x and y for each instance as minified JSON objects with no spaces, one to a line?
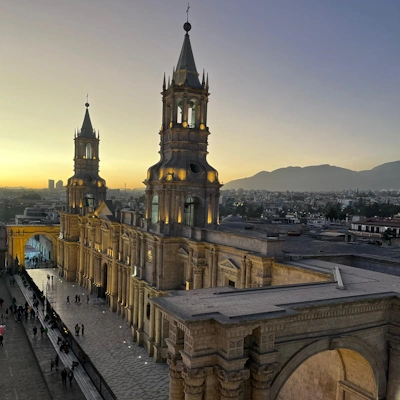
{"x":229,"y":305}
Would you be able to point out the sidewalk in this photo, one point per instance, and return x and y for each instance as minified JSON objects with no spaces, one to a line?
{"x":126,"y":367}
{"x":25,"y":359}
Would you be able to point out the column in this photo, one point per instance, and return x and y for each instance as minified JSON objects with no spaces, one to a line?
{"x":81,"y":259}
{"x":393,"y":384}
{"x":157,"y":334}
{"x":114,"y":276}
{"x":248,"y":272}
{"x":91,"y":260}
{"x":214,"y":268}
{"x":131,"y":296}
{"x":175,"y":378}
{"x":159,"y":265}
{"x":261,"y":378}
{"x":194,"y":383}
{"x":140,"y":316}
{"x":231,"y":382}
{"x":119,"y":288}
{"x":189,"y":271}
{"x":135,"y":314}
{"x":150,"y":341}
{"x":243,"y":274}
{"x":198,"y":277}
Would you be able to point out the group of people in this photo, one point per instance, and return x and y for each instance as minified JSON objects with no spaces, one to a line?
{"x":66,"y":372}
{"x":78,"y":299}
{"x":78,"y":328}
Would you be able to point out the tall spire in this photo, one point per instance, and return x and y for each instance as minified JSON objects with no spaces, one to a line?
{"x":87,"y":128}
{"x":186,"y":72}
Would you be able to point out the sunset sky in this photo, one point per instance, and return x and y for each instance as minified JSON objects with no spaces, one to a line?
{"x":292,"y":82}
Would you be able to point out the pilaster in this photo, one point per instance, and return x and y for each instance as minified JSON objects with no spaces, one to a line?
{"x":393,"y":385}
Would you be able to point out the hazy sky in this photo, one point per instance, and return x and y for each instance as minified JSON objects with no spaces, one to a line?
{"x":292,"y":82}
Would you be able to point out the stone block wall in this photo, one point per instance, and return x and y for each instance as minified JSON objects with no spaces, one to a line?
{"x":287,"y":275}
{"x":315,"y":379}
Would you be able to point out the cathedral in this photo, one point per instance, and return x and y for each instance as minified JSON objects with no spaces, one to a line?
{"x":177,"y":244}
{"x":233,"y":317}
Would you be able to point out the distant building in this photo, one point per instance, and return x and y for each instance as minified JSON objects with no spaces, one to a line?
{"x":51,"y":184}
{"x":375,"y":227}
{"x":59,"y":185}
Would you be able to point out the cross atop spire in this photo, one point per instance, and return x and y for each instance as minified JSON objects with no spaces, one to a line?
{"x":187,"y":13}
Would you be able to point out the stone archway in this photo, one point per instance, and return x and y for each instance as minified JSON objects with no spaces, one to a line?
{"x":18,"y":235}
{"x":330,"y":363}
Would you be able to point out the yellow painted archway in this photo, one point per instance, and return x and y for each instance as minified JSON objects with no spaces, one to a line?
{"x":18,"y":236}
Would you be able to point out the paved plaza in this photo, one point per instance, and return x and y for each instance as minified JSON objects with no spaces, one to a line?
{"x":126,"y":367}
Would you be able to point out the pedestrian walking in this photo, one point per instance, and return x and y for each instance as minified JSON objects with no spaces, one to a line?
{"x":1,"y":302}
{"x":87,"y":299}
{"x":68,"y":300}
{"x":52,"y":363}
{"x":41,"y":330}
{"x":83,"y":329}
{"x":1,"y":340}
{"x":76,"y":298}
{"x":77,"y":329}
{"x":59,"y":339}
{"x":34,"y":330}
{"x":79,"y":299}
{"x":70,"y":377}
{"x":64,"y":376}
{"x":56,"y":361}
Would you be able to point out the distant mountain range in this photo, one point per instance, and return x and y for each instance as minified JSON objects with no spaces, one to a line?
{"x":322,"y":178}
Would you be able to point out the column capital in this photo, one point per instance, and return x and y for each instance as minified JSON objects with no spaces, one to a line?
{"x":194,"y":380}
{"x":198,"y":269}
{"x":175,"y":365}
{"x":231,"y":382}
{"x":261,"y":375}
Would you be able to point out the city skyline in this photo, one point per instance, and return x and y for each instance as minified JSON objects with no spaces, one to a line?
{"x":291,"y":84}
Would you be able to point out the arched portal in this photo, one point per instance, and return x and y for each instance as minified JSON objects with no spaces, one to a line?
{"x":18,"y":236}
{"x":39,"y":252}
{"x":344,"y":368}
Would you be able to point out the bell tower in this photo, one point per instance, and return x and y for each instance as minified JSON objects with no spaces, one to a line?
{"x":85,"y":189}
{"x":182,"y":189}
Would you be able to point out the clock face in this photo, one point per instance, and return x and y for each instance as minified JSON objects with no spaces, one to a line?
{"x":202,"y":127}
{"x":171,"y":124}
{"x":184,"y":124}
{"x":149,"y":256}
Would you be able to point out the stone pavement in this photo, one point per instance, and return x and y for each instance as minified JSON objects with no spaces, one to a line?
{"x":126,"y":367}
{"x":25,"y":358}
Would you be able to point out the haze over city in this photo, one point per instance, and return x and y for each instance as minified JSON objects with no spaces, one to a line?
{"x":292,"y":83}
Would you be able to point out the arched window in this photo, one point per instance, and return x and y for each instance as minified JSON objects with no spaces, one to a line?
{"x":88,"y":151}
{"x":154,"y":210}
{"x":179,"y":110}
{"x":192,"y":113}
